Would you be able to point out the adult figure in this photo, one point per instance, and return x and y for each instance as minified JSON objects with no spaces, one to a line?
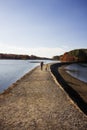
{"x":41,"y":64}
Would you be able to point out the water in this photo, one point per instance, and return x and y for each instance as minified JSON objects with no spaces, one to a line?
{"x":12,"y":70}
{"x":78,"y":71}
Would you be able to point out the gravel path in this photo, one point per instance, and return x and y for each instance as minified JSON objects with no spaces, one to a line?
{"x":36,"y":102}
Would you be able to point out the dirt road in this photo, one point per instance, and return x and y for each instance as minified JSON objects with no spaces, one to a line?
{"x":36,"y":102}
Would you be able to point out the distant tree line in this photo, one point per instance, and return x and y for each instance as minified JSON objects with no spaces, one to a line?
{"x":56,"y":57}
{"x":22,"y":57}
{"x":13,"y":56}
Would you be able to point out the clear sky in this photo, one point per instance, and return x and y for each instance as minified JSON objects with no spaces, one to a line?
{"x":42,"y":27}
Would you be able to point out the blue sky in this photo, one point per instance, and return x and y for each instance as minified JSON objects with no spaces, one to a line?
{"x":42,"y":27}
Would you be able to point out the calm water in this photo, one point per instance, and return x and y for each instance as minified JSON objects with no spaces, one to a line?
{"x":78,"y":71}
{"x":12,"y":70}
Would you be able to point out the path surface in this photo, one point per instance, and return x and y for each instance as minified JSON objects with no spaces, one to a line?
{"x":37,"y":103}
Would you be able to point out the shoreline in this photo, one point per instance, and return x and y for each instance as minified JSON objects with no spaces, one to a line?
{"x":78,"y":85}
{"x":76,"y":89}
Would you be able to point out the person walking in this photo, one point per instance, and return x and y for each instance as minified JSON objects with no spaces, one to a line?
{"x":41,"y":64}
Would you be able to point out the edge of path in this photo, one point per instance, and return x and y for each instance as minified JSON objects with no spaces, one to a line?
{"x":6,"y":91}
{"x":72,"y":93}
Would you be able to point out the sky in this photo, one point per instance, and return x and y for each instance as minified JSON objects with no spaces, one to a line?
{"x":42,"y":27}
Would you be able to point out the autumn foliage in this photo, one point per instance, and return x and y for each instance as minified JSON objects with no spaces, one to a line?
{"x":79,"y":55}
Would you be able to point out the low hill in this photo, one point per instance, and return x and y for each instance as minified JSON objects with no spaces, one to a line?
{"x":78,"y":55}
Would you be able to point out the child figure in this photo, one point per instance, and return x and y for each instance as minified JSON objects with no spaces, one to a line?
{"x":46,"y":67}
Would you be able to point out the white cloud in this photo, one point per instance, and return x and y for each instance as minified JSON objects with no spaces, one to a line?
{"x":41,"y":51}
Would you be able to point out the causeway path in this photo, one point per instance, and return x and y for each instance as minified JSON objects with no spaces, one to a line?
{"x":36,"y":102}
